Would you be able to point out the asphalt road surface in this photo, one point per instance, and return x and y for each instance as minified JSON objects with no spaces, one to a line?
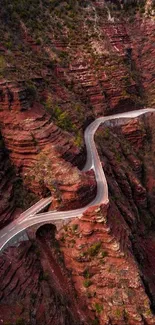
{"x":31,"y":216}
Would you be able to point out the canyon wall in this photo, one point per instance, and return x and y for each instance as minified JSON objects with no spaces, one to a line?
{"x":62,"y":64}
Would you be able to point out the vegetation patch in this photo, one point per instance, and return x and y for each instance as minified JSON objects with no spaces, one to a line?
{"x":87,"y":283}
{"x":94,"y":249}
{"x":98,"y":308}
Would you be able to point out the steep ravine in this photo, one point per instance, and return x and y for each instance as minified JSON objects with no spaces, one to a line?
{"x":55,"y":80}
{"x":62,"y":64}
{"x":34,"y":289}
{"x":109,"y":257}
{"x":113,"y":251}
{"x":129,"y":166}
{"x":14,"y":197}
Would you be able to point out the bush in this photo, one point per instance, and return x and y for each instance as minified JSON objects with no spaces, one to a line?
{"x":78,"y":140}
{"x":38,"y":41}
{"x":31,"y":90}
{"x":95,"y":321}
{"x":62,"y":118}
{"x":20,"y":321}
{"x":104,"y":254}
{"x":87,"y":283}
{"x":1,"y":143}
{"x":94,"y":249}
{"x":98,"y":308}
{"x":2,"y":63}
{"x":44,"y":276}
{"x":86,"y":274}
{"x":75,"y":227}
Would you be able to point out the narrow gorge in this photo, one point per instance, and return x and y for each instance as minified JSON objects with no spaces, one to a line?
{"x":63,"y":64}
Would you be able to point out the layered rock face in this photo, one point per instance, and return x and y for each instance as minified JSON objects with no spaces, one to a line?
{"x":14,"y":198}
{"x":69,"y":63}
{"x":142,"y":52}
{"x":128,"y":162}
{"x":78,"y":76}
{"x":108,"y":281}
{"x":107,"y":67}
{"x":7,"y":200}
{"x":37,"y":147}
{"x":111,"y":252}
{"x":36,"y":289}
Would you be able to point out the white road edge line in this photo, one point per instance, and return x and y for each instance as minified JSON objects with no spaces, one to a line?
{"x":93,"y":162}
{"x":4,"y":235}
{"x":12,"y":228}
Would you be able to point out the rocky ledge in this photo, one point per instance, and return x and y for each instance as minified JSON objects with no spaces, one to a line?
{"x":39,"y":291}
{"x":41,"y":152}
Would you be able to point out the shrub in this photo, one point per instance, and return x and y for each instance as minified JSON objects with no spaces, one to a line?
{"x":86,"y":274}
{"x":94,"y":249}
{"x":37,"y":251}
{"x":78,"y":140}
{"x":88,"y":294}
{"x":2,"y":64}
{"x":106,"y":133}
{"x":44,"y":276}
{"x":1,"y":143}
{"x":33,"y":297}
{"x":75,"y":227}
{"x":118,"y":313}
{"x":64,"y":121}
{"x":87,"y":283}
{"x":38,"y":41}
{"x":98,"y":308}
{"x":65,"y":227}
{"x":95,"y":321}
{"x":62,"y":118}
{"x":32,"y":91}
{"x":118,"y":157}
{"x":20,"y":321}
{"x":104,"y":254}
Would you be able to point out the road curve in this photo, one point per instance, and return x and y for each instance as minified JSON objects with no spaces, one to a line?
{"x":29,"y":217}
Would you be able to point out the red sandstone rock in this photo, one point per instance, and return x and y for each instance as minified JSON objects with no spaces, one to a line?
{"x":33,"y":141}
{"x":108,"y":281}
{"x":35,"y":290}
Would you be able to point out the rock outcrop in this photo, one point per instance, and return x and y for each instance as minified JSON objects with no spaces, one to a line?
{"x":37,"y":147}
{"x":109,"y":281}
{"x":128,"y":161}
{"x":62,"y":64}
{"x":36,"y":291}
{"x":7,"y":200}
{"x":14,"y":197}
{"x":107,"y":67}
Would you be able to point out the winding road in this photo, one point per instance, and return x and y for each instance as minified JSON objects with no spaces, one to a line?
{"x":30,"y":216}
